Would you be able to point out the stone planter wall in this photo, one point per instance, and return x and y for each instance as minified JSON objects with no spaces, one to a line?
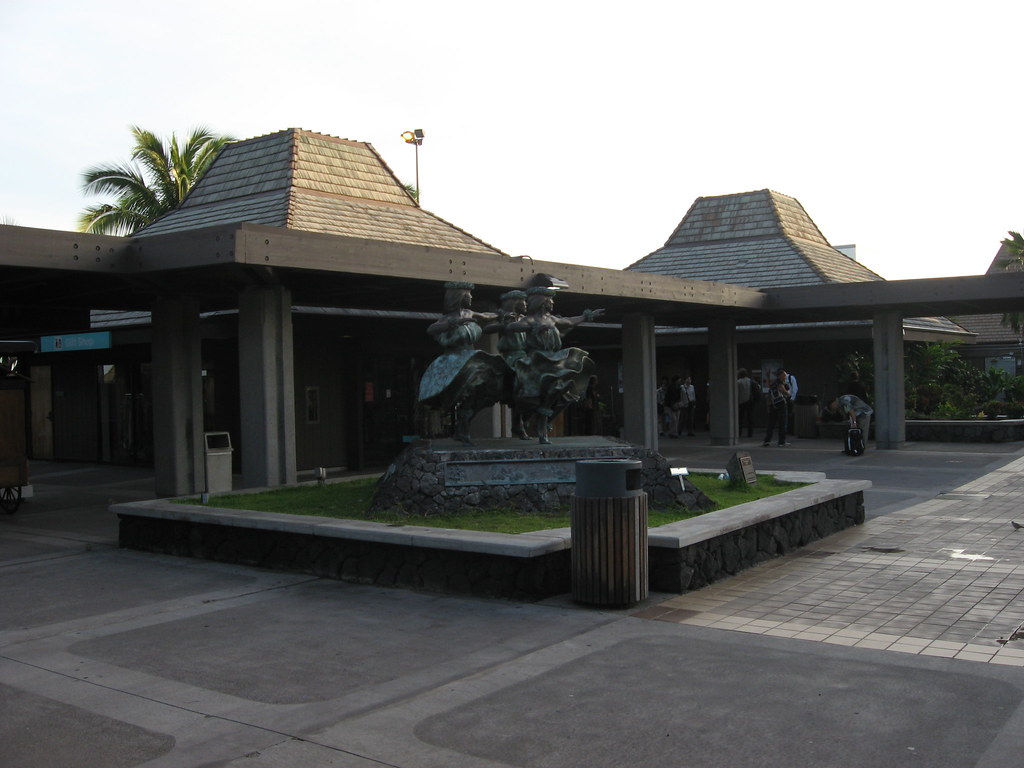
{"x":945,"y":431}
{"x":973,"y":431}
{"x":683,"y":556}
{"x":430,"y":569}
{"x":695,"y":565}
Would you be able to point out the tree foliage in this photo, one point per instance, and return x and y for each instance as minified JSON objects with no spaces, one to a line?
{"x":1014,"y":260}
{"x":152,"y":183}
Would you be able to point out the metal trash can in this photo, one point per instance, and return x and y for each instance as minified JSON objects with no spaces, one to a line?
{"x":218,"y":462}
{"x":805,"y":415}
{"x":609,"y":533}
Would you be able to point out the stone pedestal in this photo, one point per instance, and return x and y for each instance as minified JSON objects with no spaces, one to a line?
{"x":434,"y":477}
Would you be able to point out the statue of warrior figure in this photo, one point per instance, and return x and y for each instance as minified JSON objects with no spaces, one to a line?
{"x":511,"y":346}
{"x":548,"y":378}
{"x":462,"y":378}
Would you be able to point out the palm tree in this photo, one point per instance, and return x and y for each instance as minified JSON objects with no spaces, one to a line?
{"x":154,"y":182}
{"x":1014,"y":259}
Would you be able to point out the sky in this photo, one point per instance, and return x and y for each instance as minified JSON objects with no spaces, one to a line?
{"x":576,"y":132}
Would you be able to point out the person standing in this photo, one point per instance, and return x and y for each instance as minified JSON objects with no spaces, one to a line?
{"x":778,"y":397}
{"x":661,"y":393}
{"x":745,"y":398}
{"x":688,"y":406}
{"x":790,"y":402}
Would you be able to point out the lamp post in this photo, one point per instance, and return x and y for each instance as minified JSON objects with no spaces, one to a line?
{"x":415,"y":138}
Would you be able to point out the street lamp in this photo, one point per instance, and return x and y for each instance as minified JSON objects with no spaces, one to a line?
{"x":415,"y":138}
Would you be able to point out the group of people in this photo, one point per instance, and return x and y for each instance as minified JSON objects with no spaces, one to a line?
{"x":779,"y":397}
{"x":677,"y":406}
{"x":532,"y":373}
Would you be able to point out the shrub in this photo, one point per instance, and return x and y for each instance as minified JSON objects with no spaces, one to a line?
{"x":950,"y":410}
{"x":1015,"y":389}
{"x":992,"y":383}
{"x":1014,"y":410}
{"x":994,"y":408}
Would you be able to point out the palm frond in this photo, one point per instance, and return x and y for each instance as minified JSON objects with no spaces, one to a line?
{"x":154,"y":182}
{"x":1014,"y":250}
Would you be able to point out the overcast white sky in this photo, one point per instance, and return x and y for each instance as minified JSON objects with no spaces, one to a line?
{"x":570,"y":131}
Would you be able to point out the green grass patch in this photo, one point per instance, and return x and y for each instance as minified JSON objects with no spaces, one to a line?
{"x":727,"y":493}
{"x":350,"y":500}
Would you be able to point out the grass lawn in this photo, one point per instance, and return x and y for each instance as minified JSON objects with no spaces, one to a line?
{"x":350,"y":500}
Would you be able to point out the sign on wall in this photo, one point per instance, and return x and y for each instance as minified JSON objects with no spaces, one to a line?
{"x":70,"y":342}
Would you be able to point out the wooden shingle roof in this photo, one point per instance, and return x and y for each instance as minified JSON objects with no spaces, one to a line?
{"x":758,"y":239}
{"x":314,"y":183}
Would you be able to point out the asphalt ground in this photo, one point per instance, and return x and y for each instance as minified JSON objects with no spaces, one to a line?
{"x":918,"y":472}
{"x":110,"y":657}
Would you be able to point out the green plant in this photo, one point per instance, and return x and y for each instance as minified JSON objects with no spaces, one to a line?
{"x":994,"y":408}
{"x":156,"y":179}
{"x":950,"y":410}
{"x":924,"y":399}
{"x":859,"y":363}
{"x":940,"y":382}
{"x":1014,"y":410}
{"x":993,"y":383}
{"x":1015,"y":388}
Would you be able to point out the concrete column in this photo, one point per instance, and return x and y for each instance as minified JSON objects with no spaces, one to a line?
{"x":890,"y":401}
{"x":722,"y":365}
{"x":640,"y":401}
{"x":178,"y":449}
{"x":266,"y":386}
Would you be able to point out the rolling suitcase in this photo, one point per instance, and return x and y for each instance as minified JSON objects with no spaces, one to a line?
{"x":854,"y":442}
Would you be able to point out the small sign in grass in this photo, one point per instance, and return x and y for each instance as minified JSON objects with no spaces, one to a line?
{"x":350,"y":500}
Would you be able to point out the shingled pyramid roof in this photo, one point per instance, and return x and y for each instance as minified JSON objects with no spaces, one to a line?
{"x":315,"y":183}
{"x":758,"y":239}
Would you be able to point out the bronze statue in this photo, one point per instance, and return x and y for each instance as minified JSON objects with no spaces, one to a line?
{"x":462,"y":378}
{"x":511,"y":346}
{"x":534,"y":373}
{"x":549,"y":377}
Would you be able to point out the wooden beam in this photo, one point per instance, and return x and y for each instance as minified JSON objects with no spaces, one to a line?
{"x":70,"y":251}
{"x":287,"y":249}
{"x":1003,"y":292}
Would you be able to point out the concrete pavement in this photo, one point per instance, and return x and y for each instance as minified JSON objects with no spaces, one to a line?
{"x":889,"y":645}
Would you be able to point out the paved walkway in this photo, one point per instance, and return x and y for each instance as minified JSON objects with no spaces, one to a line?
{"x":119,"y":658}
{"x":941,"y":578}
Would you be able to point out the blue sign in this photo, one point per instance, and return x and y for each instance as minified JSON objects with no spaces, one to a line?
{"x":70,"y":342}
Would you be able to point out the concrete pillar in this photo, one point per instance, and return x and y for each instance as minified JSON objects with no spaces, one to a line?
{"x":178,"y":450}
{"x":639,"y":401}
{"x":266,"y":387}
{"x":890,"y":401}
{"x":722,"y":365}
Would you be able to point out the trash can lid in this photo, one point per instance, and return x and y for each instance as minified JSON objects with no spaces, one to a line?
{"x":609,"y":477}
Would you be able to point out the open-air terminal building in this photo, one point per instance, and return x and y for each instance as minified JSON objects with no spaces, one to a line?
{"x":286,"y":302}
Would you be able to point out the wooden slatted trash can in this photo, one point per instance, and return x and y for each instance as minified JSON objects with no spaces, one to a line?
{"x":609,"y":533}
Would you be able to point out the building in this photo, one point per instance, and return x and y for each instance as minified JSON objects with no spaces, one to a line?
{"x":287,"y":301}
{"x":766,"y":240}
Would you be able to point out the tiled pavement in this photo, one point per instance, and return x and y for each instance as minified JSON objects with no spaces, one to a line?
{"x":941,"y":578}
